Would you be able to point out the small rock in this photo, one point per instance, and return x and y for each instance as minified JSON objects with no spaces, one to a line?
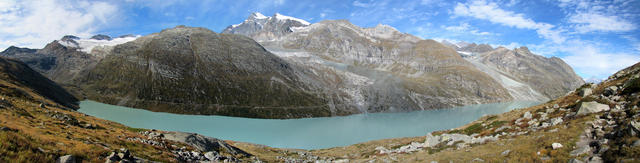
{"x":556,"y":121}
{"x":66,"y":159}
{"x":477,"y":160}
{"x":556,"y":145}
{"x":211,"y":155}
{"x":575,"y":161}
{"x":42,"y":105}
{"x":506,"y":152}
{"x":635,"y":125}
{"x":7,"y":129}
{"x":527,"y":115}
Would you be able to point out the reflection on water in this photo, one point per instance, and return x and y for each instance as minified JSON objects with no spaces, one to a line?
{"x":307,"y":133}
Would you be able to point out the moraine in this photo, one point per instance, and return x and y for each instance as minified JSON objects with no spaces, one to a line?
{"x":305,"y":133}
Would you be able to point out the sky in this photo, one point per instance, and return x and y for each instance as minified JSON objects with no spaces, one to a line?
{"x":596,"y":38}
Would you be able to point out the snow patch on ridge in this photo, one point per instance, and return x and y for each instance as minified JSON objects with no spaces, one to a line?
{"x":86,"y":45}
{"x":283,"y":17}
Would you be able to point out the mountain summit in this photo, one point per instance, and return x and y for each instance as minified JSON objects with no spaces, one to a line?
{"x":264,"y":28}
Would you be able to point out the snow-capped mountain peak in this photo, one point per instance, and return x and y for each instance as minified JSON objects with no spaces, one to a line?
{"x":256,"y":15}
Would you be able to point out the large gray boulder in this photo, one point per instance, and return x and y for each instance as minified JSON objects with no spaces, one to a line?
{"x":431,"y":140}
{"x":204,"y":143}
{"x":592,"y":107}
{"x":585,"y":92}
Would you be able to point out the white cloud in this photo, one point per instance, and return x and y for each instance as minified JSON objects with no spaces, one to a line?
{"x":511,"y":45}
{"x":481,"y":9}
{"x":35,"y":23}
{"x":322,"y":15}
{"x":465,"y":28}
{"x":588,"y":22}
{"x":588,"y":59}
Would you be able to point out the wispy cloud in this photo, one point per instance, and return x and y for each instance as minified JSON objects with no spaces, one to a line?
{"x":465,"y":28}
{"x":490,"y":11}
{"x":589,"y":22}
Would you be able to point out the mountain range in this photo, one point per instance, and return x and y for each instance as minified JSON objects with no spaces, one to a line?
{"x":285,"y":67}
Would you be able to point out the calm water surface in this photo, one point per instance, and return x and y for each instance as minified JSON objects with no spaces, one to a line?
{"x":307,"y":133}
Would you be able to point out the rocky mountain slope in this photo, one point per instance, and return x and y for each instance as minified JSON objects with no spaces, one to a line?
{"x":594,"y":123}
{"x":21,"y":81}
{"x":401,"y":71}
{"x":62,"y":60}
{"x":549,"y":77}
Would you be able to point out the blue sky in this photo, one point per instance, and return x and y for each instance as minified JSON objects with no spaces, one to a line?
{"x":596,"y":38}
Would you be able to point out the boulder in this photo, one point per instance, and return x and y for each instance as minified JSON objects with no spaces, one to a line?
{"x":556,"y":145}
{"x":636,"y":143}
{"x":591,"y":107}
{"x":212,"y":156}
{"x":585,"y":92}
{"x":204,"y":143}
{"x":527,"y":115}
{"x":66,"y":159}
{"x":431,"y":140}
{"x":452,"y":138}
{"x":635,"y":125}
{"x":611,"y":90}
{"x":556,"y":121}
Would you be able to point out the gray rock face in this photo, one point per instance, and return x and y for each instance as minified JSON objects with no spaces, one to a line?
{"x":101,"y":37}
{"x":263,"y":28}
{"x":591,"y":107}
{"x":519,"y":69}
{"x":345,"y":48}
{"x":382,"y":69}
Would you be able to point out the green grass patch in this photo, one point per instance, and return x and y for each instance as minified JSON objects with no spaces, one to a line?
{"x":136,"y":129}
{"x":475,"y":128}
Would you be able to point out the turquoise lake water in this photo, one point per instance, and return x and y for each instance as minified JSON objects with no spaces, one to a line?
{"x":306,"y":133}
